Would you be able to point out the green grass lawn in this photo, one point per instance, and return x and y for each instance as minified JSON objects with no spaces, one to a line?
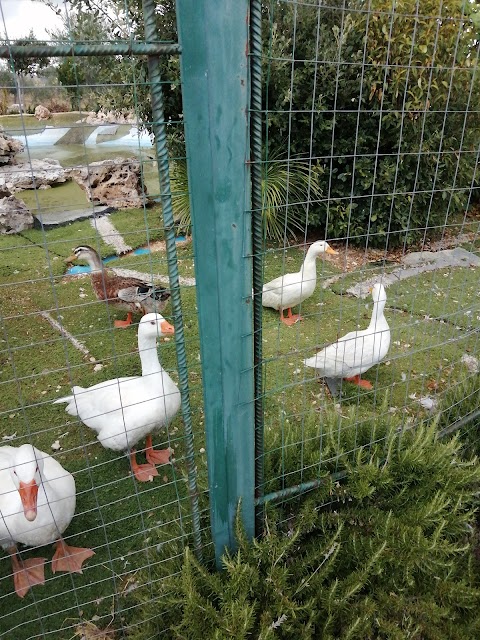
{"x":434,"y":320}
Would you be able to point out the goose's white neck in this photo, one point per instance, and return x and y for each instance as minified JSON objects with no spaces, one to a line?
{"x":377,"y":314}
{"x":147,"y":347}
{"x":309,"y":266}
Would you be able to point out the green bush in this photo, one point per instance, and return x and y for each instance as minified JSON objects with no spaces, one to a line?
{"x":390,"y":557}
{"x":460,"y":411}
{"x":388,"y":121}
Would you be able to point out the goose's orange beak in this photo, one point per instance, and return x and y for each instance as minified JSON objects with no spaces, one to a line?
{"x":28,"y":495}
{"x":332,"y":251}
{"x":71,"y":258}
{"x":167,"y":328}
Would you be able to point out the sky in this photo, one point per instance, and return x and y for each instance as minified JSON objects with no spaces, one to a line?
{"x":19,"y":16}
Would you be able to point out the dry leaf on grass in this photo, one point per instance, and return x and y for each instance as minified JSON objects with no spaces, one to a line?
{"x":90,"y":631}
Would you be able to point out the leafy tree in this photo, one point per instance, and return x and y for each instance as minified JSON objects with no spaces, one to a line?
{"x":378,"y":95}
{"x":125,"y":80}
{"x":30,"y":66}
{"x":89,"y":80}
{"x":7,"y":79}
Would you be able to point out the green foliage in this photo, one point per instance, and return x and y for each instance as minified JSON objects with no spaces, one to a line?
{"x":462,"y":401}
{"x":391,"y":557}
{"x":23,"y":67}
{"x":32,"y":65}
{"x":287,"y":187}
{"x":70,"y":75}
{"x":388,"y":119}
{"x":118,"y":83}
{"x":180,"y":195}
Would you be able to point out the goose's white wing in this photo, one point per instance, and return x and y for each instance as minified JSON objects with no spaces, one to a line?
{"x":354,"y":353}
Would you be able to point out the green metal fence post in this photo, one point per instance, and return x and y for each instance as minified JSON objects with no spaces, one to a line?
{"x":214,"y":36}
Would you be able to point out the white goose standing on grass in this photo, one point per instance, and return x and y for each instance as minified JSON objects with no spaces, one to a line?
{"x":291,"y":289}
{"x":357,"y":351}
{"x":123,"y":411}
{"x":37,"y":503}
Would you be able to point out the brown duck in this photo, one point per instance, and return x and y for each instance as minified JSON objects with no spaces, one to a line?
{"x":131,"y":294}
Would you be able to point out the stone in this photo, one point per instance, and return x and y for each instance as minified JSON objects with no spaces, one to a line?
{"x":14,"y":215}
{"x":471,"y":362}
{"x":8,"y":148}
{"x":42,"y":113}
{"x":36,"y":174}
{"x":116,"y":182}
{"x":14,"y":108}
{"x":111,"y":117}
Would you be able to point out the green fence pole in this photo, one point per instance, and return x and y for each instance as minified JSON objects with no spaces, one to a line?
{"x":158,"y":125}
{"x":214,"y":36}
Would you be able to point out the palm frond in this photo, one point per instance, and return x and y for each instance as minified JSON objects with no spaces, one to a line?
{"x":288,"y":187}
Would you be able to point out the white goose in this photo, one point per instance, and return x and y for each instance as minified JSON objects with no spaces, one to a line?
{"x":291,"y":289}
{"x":122,"y":411}
{"x":357,"y":351}
{"x":37,"y":503}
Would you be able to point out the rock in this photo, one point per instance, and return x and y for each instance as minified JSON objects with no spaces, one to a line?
{"x":8,"y":148}
{"x":111,"y":117}
{"x":116,"y":182}
{"x":54,"y":218}
{"x":457,"y":257}
{"x":42,"y":113}
{"x":36,"y":174}
{"x":14,"y":215}
{"x":14,"y":108}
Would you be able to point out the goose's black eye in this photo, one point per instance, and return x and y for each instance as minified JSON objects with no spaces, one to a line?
{"x":14,"y":472}
{"x":152,"y":321}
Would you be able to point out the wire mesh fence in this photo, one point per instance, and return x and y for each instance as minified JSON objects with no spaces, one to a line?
{"x":370,"y":112}
{"x":364,"y":135}
{"x":97,"y":182}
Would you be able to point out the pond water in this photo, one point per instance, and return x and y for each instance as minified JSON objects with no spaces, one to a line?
{"x":89,"y":143}
{"x":86,"y":143}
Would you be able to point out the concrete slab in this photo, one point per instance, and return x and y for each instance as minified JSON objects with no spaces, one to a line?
{"x":51,"y":219}
{"x":106,"y":133}
{"x":110,"y":235}
{"x":76,"y":134}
